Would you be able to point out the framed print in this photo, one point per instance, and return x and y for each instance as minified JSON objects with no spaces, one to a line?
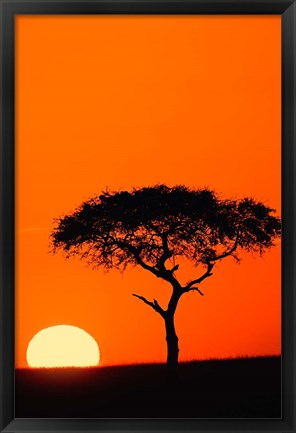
{"x":147,"y":216}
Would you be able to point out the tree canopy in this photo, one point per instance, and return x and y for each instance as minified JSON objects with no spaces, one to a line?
{"x":150,"y":225}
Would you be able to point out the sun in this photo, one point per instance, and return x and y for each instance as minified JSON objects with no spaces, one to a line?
{"x":63,"y":346}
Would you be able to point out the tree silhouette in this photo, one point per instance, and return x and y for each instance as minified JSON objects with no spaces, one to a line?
{"x":151,"y":227}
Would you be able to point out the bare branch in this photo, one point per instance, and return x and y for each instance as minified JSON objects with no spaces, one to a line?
{"x":175,"y":268}
{"x":210,"y":265}
{"x":194,"y":289}
{"x":155,"y":305}
{"x":164,"y":273}
{"x":136,"y":255}
{"x":207,"y":274}
{"x":166,"y":251}
{"x":226,"y":253}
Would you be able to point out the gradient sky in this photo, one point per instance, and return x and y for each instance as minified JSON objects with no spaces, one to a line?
{"x":128,"y":101}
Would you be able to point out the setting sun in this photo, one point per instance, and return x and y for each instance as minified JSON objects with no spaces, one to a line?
{"x":63,"y":346}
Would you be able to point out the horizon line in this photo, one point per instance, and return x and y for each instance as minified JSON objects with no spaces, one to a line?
{"x":159,"y":363}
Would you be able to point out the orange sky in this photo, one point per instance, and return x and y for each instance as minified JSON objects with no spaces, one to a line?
{"x":123,"y":101}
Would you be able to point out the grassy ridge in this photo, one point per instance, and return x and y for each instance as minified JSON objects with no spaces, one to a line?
{"x":237,"y":388}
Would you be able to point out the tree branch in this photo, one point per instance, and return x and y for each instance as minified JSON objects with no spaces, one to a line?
{"x":167,"y":254}
{"x":194,"y":289}
{"x":175,"y":268}
{"x":207,"y":274}
{"x":161,"y":272}
{"x":210,"y":265}
{"x":155,"y":305}
{"x":226,"y":253}
{"x":136,"y":255}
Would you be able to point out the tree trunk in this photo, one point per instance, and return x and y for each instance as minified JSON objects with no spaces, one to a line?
{"x":172,"y":341}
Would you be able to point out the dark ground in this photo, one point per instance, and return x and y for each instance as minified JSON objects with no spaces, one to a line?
{"x":238,"y":388}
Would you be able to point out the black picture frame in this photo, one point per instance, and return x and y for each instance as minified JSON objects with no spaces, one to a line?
{"x":10,"y":8}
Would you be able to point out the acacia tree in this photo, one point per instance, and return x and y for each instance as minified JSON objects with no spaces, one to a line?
{"x":151,"y":227}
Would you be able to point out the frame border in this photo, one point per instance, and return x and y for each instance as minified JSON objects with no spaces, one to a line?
{"x":8,"y":9}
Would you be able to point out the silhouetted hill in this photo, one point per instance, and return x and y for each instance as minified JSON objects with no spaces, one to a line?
{"x":238,"y":388}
